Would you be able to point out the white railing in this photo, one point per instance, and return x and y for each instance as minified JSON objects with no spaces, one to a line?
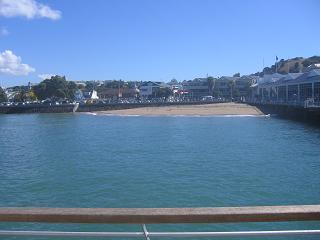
{"x":149,"y":235}
{"x":309,"y":103}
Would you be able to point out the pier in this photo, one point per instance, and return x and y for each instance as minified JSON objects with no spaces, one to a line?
{"x":294,"y":95}
{"x":301,"y":112}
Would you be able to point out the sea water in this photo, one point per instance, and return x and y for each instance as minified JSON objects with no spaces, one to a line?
{"x":79,"y":160}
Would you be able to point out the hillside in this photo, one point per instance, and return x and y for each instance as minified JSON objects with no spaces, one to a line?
{"x":293,"y":65}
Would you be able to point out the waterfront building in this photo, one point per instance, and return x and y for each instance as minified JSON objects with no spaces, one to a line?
{"x":225,"y":87}
{"x":118,"y":92}
{"x":239,"y":86}
{"x":222,"y":86}
{"x":196,"y":88}
{"x":176,"y":87}
{"x":263,"y":88}
{"x":289,"y":88}
{"x":150,"y":89}
{"x":242,"y":85}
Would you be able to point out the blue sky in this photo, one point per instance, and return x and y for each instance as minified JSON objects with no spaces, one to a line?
{"x":152,"y":39}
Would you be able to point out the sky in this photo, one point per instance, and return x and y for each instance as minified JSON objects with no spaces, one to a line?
{"x":155,"y":40}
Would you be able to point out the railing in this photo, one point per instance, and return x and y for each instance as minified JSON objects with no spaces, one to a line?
{"x":159,"y":216}
{"x":309,"y":103}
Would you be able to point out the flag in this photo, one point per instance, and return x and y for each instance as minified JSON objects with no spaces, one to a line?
{"x":276,"y":58}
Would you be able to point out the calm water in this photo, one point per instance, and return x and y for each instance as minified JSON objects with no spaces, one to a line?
{"x":65,"y":160}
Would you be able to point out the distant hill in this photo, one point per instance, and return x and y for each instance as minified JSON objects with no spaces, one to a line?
{"x":293,"y":65}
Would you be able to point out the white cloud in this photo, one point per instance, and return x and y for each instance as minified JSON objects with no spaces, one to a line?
{"x":27,"y":8}
{"x":46,"y":76}
{"x":11,"y":64}
{"x":3,"y":31}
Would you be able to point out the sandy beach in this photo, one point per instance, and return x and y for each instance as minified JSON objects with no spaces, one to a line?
{"x":189,"y":110}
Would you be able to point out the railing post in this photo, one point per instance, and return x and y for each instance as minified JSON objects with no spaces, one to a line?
{"x":145,"y":232}
{"x":313,"y":90}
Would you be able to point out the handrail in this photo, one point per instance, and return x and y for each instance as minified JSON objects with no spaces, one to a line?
{"x":162,"y":215}
{"x":157,"y":234}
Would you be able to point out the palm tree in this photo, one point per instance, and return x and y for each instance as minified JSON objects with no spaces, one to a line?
{"x":231,"y":85}
{"x":211,"y":82}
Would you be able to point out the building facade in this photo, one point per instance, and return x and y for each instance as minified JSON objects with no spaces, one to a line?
{"x":150,"y":89}
{"x":289,"y":88}
{"x":196,"y":88}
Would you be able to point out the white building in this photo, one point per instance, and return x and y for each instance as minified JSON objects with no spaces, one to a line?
{"x":92,"y":95}
{"x":148,"y":89}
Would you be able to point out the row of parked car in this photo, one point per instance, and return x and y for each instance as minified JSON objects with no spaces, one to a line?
{"x":43,"y":102}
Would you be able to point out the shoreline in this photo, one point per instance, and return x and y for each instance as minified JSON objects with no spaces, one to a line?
{"x":215,"y":109}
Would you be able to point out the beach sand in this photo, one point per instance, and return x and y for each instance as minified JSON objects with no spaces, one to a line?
{"x":189,"y":110}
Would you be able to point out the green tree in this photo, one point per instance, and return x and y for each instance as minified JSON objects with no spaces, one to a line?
{"x":3,"y":95}
{"x":20,"y":96}
{"x":211,"y":83}
{"x":236,"y":75}
{"x":55,"y":87}
{"x":23,"y":96}
{"x":31,"y":96}
{"x":248,"y":88}
{"x":236,"y":93}
{"x":174,"y":81}
{"x":231,"y":85}
{"x":217,"y":93}
{"x":72,"y":88}
{"x":89,"y":86}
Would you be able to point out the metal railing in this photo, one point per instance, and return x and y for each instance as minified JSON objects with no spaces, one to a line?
{"x":159,"y":216}
{"x":308,"y":103}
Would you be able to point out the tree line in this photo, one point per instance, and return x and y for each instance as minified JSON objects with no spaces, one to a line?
{"x":57,"y":88}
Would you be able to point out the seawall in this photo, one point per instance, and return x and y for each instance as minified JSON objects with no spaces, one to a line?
{"x":37,"y":108}
{"x":65,"y":108}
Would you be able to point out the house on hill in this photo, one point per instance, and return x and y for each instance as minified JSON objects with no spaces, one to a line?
{"x":150,"y":89}
{"x":90,"y":95}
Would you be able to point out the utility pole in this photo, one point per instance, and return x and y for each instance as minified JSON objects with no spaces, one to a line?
{"x":231,"y":93}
